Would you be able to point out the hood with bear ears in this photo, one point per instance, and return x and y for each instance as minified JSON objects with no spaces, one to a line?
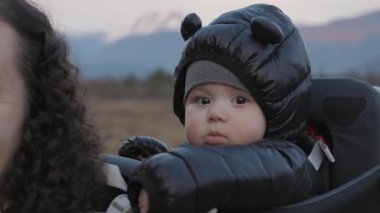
{"x":263,"y":48}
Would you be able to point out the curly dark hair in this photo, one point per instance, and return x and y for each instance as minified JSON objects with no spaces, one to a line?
{"x":55,"y":168}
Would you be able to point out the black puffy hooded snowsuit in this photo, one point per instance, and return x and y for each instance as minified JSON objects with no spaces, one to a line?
{"x":262,"y":47}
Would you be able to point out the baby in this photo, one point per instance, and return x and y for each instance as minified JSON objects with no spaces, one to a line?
{"x":242,"y":81}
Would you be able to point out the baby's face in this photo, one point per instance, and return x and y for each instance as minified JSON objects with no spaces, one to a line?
{"x":216,"y":114}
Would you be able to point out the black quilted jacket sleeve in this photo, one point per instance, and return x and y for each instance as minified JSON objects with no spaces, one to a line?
{"x":195,"y":179}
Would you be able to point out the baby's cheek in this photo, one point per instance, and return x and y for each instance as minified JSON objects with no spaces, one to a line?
{"x":193,"y":132}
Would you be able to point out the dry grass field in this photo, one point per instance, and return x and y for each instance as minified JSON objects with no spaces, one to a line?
{"x":126,"y":107}
{"x":121,"y":118}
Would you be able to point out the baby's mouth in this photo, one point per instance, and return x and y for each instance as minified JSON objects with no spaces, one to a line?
{"x":215,"y":138}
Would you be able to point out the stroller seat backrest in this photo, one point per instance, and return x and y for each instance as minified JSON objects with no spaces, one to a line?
{"x":348,"y":112}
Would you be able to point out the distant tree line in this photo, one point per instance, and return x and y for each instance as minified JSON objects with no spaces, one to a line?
{"x":371,"y":76}
{"x":160,"y":83}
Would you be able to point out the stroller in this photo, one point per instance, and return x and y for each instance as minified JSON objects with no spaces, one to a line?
{"x":347,"y":111}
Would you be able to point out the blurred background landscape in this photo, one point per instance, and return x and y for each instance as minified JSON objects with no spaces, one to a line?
{"x":129,"y":75}
{"x":130,"y":80}
{"x":342,"y":46}
{"x":128,"y":106}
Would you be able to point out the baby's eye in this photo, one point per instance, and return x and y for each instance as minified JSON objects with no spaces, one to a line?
{"x":240,"y":100}
{"x":198,"y":99}
{"x":203,"y":100}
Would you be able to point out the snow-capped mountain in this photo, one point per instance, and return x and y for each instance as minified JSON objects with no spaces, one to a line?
{"x":156,"y":21}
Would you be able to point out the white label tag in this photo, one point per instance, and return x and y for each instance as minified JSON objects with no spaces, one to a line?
{"x":327,"y":152}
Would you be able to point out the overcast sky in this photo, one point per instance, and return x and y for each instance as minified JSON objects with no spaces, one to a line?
{"x":113,"y":17}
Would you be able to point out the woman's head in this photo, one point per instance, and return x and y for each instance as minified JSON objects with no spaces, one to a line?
{"x":53,"y":165}
{"x":13,"y":96}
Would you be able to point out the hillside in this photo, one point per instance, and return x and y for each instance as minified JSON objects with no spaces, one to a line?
{"x":351,"y":44}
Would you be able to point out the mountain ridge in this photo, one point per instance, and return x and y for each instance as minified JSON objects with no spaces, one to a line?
{"x":344,"y":30}
{"x":335,"y":47}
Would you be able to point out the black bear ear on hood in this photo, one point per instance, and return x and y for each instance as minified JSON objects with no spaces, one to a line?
{"x":266,"y":30}
{"x":190,"y":25}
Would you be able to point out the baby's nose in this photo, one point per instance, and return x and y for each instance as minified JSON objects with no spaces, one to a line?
{"x":217,"y":112}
